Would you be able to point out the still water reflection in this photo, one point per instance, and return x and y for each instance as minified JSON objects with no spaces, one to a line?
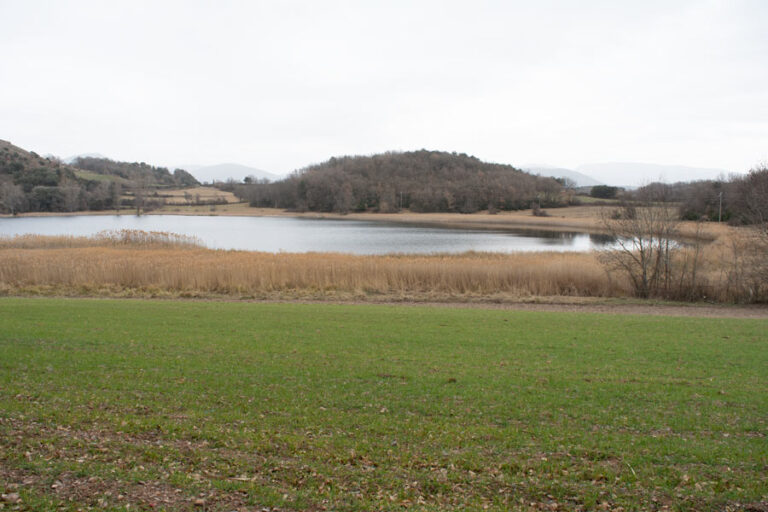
{"x":274,"y":234}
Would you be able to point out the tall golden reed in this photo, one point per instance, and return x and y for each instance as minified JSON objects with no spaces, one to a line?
{"x":162,"y":263}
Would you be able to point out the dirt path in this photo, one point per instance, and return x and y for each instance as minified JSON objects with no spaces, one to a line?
{"x":551,"y":304}
{"x":576,"y":306}
{"x":640,"y":309}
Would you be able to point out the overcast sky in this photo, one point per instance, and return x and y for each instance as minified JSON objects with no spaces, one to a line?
{"x":279,"y":85}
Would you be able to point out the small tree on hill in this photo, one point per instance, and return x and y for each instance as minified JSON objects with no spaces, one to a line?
{"x":604,"y":192}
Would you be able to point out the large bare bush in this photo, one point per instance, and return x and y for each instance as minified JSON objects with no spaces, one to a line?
{"x":649,"y":253}
{"x":748,"y":273}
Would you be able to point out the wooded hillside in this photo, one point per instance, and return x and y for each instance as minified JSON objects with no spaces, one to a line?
{"x":30,"y":182}
{"x":137,"y":172}
{"x":422,"y":181}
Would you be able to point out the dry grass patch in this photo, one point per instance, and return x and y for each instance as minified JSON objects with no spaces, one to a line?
{"x":163,"y":263}
{"x":197,"y":195}
{"x":136,"y":263}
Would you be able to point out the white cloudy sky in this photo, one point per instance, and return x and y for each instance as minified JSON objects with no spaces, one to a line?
{"x":278,"y":85}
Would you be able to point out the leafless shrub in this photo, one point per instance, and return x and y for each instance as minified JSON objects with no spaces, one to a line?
{"x":650,"y":254}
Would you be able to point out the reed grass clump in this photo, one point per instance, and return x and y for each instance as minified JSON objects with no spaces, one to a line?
{"x":133,"y":238}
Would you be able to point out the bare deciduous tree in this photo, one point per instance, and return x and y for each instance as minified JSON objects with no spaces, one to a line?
{"x":72,"y":197}
{"x":748,"y":275}
{"x":12,"y":197}
{"x":645,"y":238}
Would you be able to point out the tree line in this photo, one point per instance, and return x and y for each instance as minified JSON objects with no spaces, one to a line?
{"x":647,"y":227}
{"x":137,"y":171}
{"x":422,"y":181}
{"x":739,"y":200}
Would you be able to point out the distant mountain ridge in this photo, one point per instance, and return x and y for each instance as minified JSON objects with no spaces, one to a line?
{"x":581,"y":179}
{"x":227,"y":171}
{"x":637,"y":174}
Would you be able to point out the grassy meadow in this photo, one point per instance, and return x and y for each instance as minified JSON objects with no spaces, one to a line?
{"x":167,"y":405}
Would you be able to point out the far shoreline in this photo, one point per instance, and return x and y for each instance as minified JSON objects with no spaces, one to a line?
{"x":519,"y":219}
{"x":578,"y":219}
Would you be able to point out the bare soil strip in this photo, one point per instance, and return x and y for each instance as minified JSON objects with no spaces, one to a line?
{"x":686,"y":310}
{"x":543,"y":304}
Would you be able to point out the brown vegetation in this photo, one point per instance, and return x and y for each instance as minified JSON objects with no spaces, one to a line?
{"x":422,"y":181}
{"x":135,"y":239}
{"x":161,"y":264}
{"x":197,"y":196}
{"x":739,"y":200}
{"x":658,"y":264}
{"x":156,"y":264}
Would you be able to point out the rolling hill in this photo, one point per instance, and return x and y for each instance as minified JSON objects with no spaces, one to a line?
{"x":30,"y":182}
{"x":424,"y":181}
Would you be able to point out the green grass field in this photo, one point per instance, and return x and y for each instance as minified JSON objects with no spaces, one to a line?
{"x":125,"y":405}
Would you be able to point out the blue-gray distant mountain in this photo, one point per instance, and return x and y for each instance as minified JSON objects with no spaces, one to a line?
{"x":635,"y":174}
{"x":581,"y":179}
{"x":227,"y":171}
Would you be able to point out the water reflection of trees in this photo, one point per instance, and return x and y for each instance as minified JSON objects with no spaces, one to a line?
{"x":547,"y":237}
{"x":602,"y":239}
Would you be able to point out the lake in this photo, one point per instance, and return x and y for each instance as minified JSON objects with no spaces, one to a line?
{"x":275,"y":234}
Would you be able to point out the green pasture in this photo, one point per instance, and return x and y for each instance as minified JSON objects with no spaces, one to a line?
{"x":169,"y":405}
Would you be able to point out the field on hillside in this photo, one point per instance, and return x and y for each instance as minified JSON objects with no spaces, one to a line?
{"x":196,"y":196}
{"x":229,"y":406}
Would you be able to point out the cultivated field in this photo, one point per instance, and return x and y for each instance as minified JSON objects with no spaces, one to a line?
{"x":190,"y":196}
{"x":125,"y":405}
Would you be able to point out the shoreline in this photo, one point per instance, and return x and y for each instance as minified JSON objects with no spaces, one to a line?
{"x":577,"y":219}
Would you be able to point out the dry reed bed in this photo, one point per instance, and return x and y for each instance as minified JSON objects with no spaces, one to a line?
{"x":133,"y":238}
{"x":140,"y":263}
{"x":159,"y":262}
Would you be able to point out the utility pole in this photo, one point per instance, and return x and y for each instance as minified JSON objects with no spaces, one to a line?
{"x":720,"y":211}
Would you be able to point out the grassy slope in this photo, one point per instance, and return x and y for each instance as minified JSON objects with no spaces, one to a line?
{"x":366,"y":407}
{"x":94,"y":176}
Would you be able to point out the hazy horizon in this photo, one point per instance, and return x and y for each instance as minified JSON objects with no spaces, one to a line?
{"x":281,"y":86}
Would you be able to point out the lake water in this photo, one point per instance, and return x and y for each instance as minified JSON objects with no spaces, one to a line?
{"x":275,"y":234}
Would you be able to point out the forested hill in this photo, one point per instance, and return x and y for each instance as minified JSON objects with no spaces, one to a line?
{"x":30,"y":182}
{"x":137,"y":172}
{"x":422,"y":181}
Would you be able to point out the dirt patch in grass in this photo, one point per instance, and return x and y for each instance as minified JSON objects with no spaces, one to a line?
{"x":38,"y":442}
